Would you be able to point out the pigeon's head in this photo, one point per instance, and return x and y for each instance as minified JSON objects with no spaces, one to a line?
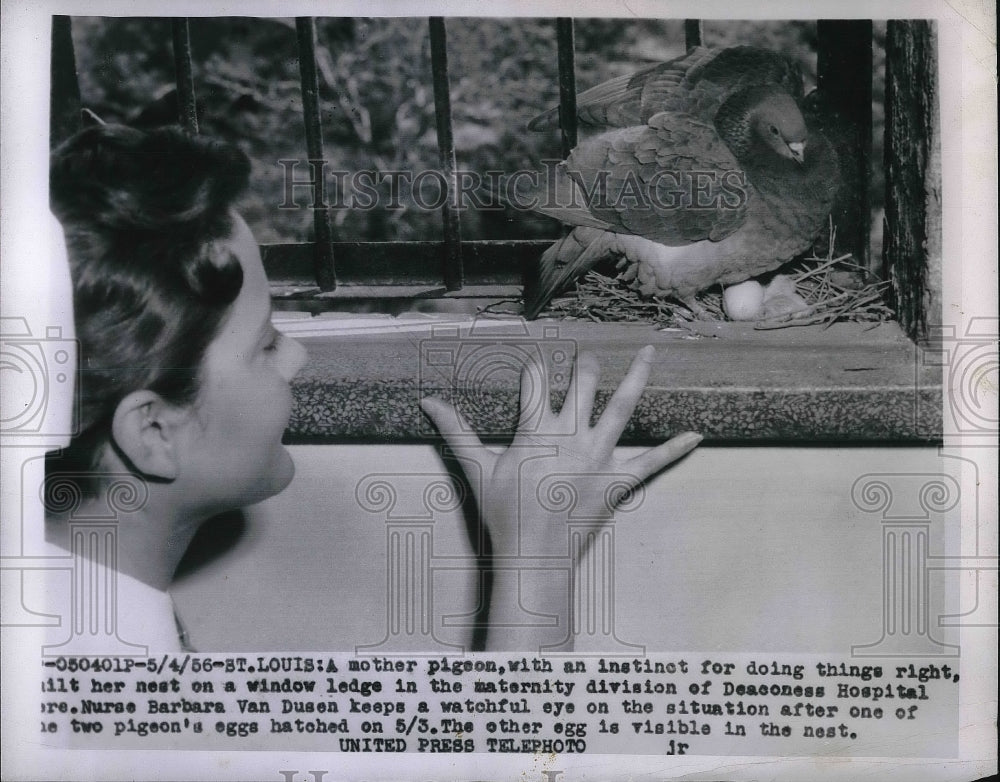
{"x":779,"y":125}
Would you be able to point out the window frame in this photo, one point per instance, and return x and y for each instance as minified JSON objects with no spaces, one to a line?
{"x":456,"y":275}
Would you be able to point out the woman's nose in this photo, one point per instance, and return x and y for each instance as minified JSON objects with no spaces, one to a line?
{"x":294,"y":358}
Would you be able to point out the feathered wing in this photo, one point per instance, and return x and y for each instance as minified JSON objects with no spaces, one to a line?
{"x":672,"y":181}
{"x":552,"y":193}
{"x":617,"y":103}
{"x":697,"y":83}
{"x":665,"y":182}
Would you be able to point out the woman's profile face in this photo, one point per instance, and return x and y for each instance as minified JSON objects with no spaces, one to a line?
{"x":233,"y":454}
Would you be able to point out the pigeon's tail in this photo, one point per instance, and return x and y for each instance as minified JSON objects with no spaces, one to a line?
{"x":566,"y":260}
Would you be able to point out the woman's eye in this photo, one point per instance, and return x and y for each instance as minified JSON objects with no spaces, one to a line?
{"x":274,"y":343}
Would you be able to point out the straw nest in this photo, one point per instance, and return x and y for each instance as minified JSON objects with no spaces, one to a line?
{"x":835,"y":288}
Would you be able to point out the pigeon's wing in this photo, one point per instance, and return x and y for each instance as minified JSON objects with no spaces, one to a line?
{"x":618,"y":102}
{"x":697,"y":83}
{"x":551,"y":192}
{"x":673,"y":181}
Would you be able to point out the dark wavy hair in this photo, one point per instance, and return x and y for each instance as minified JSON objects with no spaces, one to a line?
{"x":143,"y":214}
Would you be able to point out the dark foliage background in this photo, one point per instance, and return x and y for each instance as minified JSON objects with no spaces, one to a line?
{"x":377,"y":99}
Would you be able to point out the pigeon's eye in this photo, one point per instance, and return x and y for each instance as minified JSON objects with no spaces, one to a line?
{"x":774,"y":131}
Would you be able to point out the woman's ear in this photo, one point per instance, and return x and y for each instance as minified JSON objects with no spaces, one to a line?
{"x":145,"y":430}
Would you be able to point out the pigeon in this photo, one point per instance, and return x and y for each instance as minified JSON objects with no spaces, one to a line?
{"x":697,"y":83}
{"x":706,"y":173}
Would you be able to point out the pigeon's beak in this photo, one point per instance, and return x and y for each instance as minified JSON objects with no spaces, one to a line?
{"x":798,"y":150}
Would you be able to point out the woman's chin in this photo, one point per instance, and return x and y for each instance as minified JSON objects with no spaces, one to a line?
{"x":284,"y":472}
{"x":247,"y":488}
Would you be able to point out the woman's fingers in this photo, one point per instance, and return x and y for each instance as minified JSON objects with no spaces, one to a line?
{"x":616,"y":415}
{"x":582,"y":389}
{"x":534,"y":396}
{"x":461,"y":438}
{"x":649,"y":462}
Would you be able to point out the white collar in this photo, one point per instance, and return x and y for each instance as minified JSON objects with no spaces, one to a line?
{"x":97,"y":620}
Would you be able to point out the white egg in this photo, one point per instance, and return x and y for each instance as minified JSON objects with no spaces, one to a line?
{"x":744,"y":301}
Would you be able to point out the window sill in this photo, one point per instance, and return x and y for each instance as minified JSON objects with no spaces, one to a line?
{"x":729,"y":382}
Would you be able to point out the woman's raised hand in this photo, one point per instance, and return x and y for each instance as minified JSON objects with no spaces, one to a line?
{"x":556,"y":458}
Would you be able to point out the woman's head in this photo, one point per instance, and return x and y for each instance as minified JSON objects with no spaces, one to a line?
{"x":160,"y":265}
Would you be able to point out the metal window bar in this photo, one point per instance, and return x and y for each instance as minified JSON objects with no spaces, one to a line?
{"x":844,"y":82}
{"x":186,"y":107}
{"x":566,"y":52}
{"x":64,"y":117}
{"x":453,"y":272}
{"x":692,"y":33}
{"x":323,"y":264}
